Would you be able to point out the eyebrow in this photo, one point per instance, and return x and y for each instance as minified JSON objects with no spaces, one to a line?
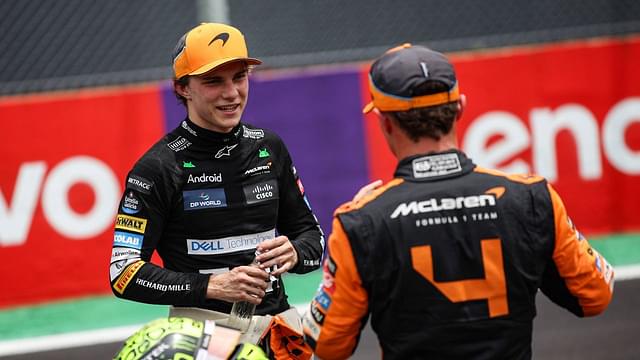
{"x":217,"y":77}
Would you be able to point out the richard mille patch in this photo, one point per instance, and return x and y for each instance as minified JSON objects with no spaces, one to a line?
{"x":436,"y":165}
{"x":262,"y":191}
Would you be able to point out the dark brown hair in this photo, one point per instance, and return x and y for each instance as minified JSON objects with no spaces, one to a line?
{"x":433,"y":121}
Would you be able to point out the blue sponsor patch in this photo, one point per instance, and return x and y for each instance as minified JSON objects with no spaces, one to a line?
{"x":122,"y":238}
{"x":323,"y":299}
{"x":131,"y":203}
{"x":204,"y":199}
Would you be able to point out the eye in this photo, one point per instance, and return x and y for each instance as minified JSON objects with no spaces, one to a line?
{"x":212,"y":81}
{"x":240,"y":76}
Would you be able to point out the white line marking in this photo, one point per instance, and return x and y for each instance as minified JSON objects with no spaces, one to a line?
{"x":67,"y":340}
{"x":115,"y":334}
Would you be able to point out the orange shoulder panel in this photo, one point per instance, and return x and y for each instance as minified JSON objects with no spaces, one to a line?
{"x":519,"y":178}
{"x":587,"y":274}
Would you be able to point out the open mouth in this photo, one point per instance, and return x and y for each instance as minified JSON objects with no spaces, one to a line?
{"x":228,"y":108}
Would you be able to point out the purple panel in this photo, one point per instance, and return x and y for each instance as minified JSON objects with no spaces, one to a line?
{"x":319,"y":117}
{"x":174,"y":112}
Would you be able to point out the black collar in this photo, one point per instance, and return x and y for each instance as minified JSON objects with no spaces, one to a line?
{"x":197,"y":134}
{"x":434,"y":166}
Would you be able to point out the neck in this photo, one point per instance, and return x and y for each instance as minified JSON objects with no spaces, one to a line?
{"x":406,"y":147}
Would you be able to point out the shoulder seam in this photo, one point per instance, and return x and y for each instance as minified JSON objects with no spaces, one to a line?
{"x":518,"y":178}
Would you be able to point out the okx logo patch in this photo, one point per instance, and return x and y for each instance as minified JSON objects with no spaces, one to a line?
{"x":204,"y":199}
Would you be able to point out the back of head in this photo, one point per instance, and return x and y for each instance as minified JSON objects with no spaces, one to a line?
{"x":418,"y":88}
{"x":185,"y":338}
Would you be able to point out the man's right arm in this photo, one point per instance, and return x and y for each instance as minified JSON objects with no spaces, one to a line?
{"x":336,"y":316}
{"x":143,"y":210}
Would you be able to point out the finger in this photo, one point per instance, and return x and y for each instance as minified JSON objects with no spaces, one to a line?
{"x":274,"y":253}
{"x":268,"y":245}
{"x":367,"y":189}
{"x":282,"y":269}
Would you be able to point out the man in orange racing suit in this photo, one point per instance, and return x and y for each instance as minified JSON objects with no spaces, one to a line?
{"x":447,"y":257}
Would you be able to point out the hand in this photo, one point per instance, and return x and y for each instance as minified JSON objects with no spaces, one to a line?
{"x":367,"y":189}
{"x":278,"y":251}
{"x":242,"y":283}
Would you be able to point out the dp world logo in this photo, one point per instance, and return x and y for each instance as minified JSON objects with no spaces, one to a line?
{"x":204,"y":199}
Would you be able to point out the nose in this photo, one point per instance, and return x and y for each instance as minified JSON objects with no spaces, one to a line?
{"x":230,"y":90}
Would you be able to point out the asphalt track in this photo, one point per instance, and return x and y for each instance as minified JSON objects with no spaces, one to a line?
{"x":557,"y":334}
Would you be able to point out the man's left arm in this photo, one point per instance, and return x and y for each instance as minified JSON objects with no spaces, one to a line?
{"x":300,"y":246}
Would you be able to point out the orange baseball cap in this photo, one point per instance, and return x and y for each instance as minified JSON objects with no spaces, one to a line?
{"x":207,"y":46}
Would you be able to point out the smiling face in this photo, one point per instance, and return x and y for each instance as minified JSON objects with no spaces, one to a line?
{"x":216,"y":100}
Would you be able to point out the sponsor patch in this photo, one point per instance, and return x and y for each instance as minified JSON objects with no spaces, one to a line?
{"x":163,"y":287}
{"x":436,"y":165}
{"x":126,"y":277}
{"x":126,"y":239}
{"x":131,"y":203}
{"x":323,"y":299}
{"x":328,"y":283}
{"x":330,"y":266}
{"x":188,"y":128}
{"x":229,"y":244}
{"x":314,"y":262}
{"x":262,"y":191}
{"x":252,"y":133}
{"x":131,"y":223}
{"x":317,"y":315}
{"x":225,"y":151}
{"x":263,"y":153}
{"x":259,"y":170}
{"x":204,"y":178}
{"x":310,"y":327}
{"x":119,"y":253}
{"x":179,"y":144}
{"x":431,"y":205}
{"x":116,"y":267}
{"x":204,"y":199}
{"x":139,"y":183}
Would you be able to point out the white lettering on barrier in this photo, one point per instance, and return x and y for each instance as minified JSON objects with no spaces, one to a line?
{"x":515,"y":138}
{"x":16,"y":218}
{"x":619,"y":118}
{"x":545,"y":126}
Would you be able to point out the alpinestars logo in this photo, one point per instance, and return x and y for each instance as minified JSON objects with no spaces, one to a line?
{"x":225,"y":151}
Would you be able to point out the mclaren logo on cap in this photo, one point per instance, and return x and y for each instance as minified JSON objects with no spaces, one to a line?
{"x":222,"y":36}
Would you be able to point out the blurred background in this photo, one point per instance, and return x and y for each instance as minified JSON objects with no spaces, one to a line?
{"x":85,"y":89}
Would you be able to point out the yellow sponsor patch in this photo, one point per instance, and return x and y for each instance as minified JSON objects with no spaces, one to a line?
{"x":131,"y":223}
{"x":126,"y":276}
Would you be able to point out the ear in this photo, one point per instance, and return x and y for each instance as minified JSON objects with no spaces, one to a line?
{"x":462,"y":104}
{"x":384,"y":121}
{"x":182,"y":89}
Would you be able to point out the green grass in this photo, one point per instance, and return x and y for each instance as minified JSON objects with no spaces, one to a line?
{"x":108,"y":311}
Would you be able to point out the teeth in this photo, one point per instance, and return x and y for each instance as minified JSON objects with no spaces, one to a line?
{"x":227,"y":107}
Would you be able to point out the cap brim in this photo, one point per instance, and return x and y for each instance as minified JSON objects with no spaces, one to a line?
{"x":368,"y":108}
{"x":212,"y":65}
